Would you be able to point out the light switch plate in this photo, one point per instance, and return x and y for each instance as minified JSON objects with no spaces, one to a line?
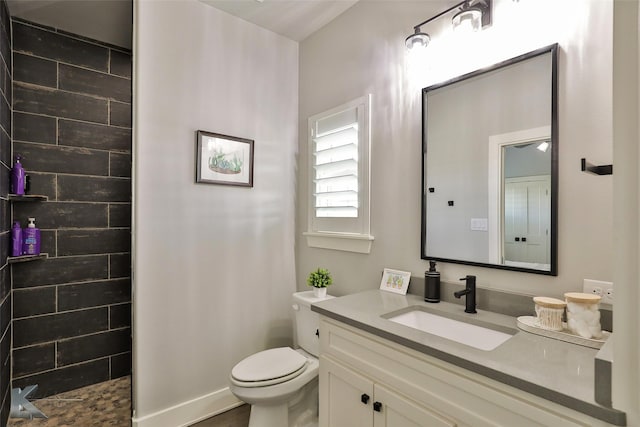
{"x":479,"y":224}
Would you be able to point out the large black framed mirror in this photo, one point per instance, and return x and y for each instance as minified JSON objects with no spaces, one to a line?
{"x":490,"y":166}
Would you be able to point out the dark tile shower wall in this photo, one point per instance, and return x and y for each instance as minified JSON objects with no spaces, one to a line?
{"x":72,"y":125}
{"x":5,"y":226}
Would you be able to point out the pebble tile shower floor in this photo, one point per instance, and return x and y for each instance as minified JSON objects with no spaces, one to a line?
{"x":108,"y":404}
{"x":104,"y":404}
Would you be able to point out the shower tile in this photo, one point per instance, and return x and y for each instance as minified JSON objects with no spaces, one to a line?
{"x":48,"y":242}
{"x":5,"y":173}
{"x":120,"y":215}
{"x":43,"y":184}
{"x":5,"y":148}
{"x":119,"y":114}
{"x":60,"y":270}
{"x":29,"y":360}
{"x":67,"y":378}
{"x":119,"y":265}
{"x":38,"y":71}
{"x":5,"y":243}
{"x":5,"y":50}
{"x":30,"y":302}
{"x":34,"y":128}
{"x":94,"y":189}
{"x":88,"y":82}
{"x":41,"y":100}
{"x":5,"y":346}
{"x":63,"y":214}
{"x":5,"y":114}
{"x":5,"y":315}
{"x":58,"y":47}
{"x":5,"y":215}
{"x":5,"y":378}
{"x":120,"y":164}
{"x":120,"y":316}
{"x":120,"y":63}
{"x":57,"y":159}
{"x":120,"y":365}
{"x":80,"y":242}
{"x":94,"y":346}
{"x":5,"y":281}
{"x":89,"y":135}
{"x":92,"y":294}
{"x":41,"y":329}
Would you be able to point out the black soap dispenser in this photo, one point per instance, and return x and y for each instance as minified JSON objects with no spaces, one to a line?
{"x":432,"y":284}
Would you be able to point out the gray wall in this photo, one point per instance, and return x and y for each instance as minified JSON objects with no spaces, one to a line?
{"x":72,"y":125}
{"x":363,"y":52}
{"x":214,"y":264}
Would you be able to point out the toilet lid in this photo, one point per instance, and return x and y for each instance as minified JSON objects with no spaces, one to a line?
{"x":269,"y":364}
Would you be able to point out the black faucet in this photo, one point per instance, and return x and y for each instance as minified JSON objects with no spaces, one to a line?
{"x":470,"y":292}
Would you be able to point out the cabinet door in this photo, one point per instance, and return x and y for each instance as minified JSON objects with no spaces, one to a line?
{"x":346,"y":398}
{"x":397,"y":411}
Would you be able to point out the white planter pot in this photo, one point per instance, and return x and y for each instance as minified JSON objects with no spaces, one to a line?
{"x":319,"y":292}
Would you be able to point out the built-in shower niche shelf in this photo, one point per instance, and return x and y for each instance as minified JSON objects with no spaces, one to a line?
{"x":25,"y":258}
{"x":28,"y":198}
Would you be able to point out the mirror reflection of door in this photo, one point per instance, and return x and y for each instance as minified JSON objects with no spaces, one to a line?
{"x":526,"y":190}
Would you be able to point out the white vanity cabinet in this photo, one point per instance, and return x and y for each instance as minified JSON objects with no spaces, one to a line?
{"x":378,"y":405}
{"x":367,"y":381}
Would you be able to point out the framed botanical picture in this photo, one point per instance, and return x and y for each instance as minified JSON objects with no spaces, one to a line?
{"x":223,"y":159}
{"x":395,"y":281}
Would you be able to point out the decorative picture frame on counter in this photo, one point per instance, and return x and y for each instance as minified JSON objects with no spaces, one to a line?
{"x":223,"y":159}
{"x":395,"y":281}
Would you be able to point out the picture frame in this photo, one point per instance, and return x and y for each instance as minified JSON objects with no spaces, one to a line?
{"x":223,"y":159}
{"x":395,"y":281}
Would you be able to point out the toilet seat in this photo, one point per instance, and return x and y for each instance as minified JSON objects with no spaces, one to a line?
{"x":269,"y":367}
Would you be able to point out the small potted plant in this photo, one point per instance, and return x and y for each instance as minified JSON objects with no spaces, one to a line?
{"x":319,"y":280}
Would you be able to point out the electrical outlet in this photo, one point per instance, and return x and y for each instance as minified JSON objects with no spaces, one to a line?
{"x":599,"y":287}
{"x":608,"y":295}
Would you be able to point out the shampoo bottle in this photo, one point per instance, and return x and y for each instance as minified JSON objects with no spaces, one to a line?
{"x":16,"y":239}
{"x":432,"y":284}
{"x":17,"y":178}
{"x":31,"y":245}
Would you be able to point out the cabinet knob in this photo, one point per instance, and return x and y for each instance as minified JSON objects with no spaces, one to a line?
{"x":377,"y":406}
{"x":364,"y":398}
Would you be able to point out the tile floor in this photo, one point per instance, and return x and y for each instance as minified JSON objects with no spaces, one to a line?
{"x":104,"y":404}
{"x":108,"y":404}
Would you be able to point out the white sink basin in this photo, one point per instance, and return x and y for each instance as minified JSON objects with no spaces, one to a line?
{"x":464,"y":333}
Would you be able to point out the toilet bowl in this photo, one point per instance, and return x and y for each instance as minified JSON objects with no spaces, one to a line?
{"x":271,"y":380}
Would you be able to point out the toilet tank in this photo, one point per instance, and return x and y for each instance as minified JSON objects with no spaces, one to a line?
{"x":306,"y":322}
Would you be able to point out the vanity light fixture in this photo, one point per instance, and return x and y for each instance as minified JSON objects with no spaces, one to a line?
{"x":417,"y":39}
{"x":472,"y":17}
{"x":472,"y":14}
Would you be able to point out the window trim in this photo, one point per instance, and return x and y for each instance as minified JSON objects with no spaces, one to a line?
{"x":351,"y":240}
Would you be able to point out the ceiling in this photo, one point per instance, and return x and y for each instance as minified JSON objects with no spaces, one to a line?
{"x":110,"y":21}
{"x":294,"y":19}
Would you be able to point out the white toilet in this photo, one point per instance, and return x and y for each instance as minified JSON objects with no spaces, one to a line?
{"x":281,"y":383}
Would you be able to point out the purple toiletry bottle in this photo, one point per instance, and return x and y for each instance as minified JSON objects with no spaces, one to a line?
{"x":16,"y":239}
{"x":31,"y":242}
{"x":17,"y":177}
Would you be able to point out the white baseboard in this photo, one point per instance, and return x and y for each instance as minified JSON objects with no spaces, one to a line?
{"x":190,"y":412}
